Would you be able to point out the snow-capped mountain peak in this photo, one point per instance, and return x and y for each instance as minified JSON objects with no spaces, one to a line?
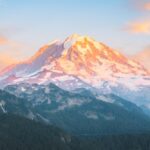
{"x":78,"y":61}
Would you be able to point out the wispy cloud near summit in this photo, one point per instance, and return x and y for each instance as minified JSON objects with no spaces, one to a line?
{"x":143,"y":5}
{"x":3,"y":40}
{"x":141,"y":23}
{"x":147,"y":6}
{"x":143,"y":57}
{"x":142,"y":27}
{"x":10,"y":50}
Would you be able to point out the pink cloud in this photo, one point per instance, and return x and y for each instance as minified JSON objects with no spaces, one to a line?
{"x":6,"y":59}
{"x":146,"y":6}
{"x":139,"y":27}
{"x":3,"y":40}
{"x":10,"y":51}
{"x":143,"y":5}
{"x":144,"y":57}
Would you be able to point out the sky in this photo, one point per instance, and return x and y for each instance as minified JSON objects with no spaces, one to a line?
{"x":27,"y":25}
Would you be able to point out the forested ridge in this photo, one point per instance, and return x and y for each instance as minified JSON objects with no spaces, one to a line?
{"x":18,"y":133}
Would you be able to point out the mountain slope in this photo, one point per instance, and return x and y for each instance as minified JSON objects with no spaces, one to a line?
{"x":78,"y":56}
{"x":115,"y":142}
{"x":20,"y":133}
{"x":81,"y":62}
{"x":81,"y":113}
{"x":9,"y":103}
{"x":23,"y":134}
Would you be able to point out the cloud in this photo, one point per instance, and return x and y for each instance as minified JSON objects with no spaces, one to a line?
{"x":9,"y":56}
{"x":10,"y":51}
{"x":8,"y":42}
{"x":144,"y":57}
{"x":142,"y":24}
{"x":6,"y":59}
{"x":142,"y":5}
{"x":139,"y":27}
{"x":3,"y":40}
{"x":146,"y":6}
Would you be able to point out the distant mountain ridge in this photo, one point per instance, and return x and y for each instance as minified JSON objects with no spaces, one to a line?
{"x":80,"y":113}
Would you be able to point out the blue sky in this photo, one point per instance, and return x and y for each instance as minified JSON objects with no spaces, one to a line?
{"x":29,"y":24}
